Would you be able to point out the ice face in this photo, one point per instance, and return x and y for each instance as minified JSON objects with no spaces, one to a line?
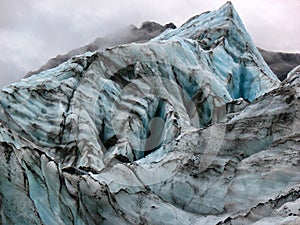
{"x":230,"y":51}
{"x":172,"y":131}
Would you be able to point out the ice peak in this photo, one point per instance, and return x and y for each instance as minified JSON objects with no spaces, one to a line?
{"x":228,"y":4}
{"x":219,"y":31}
{"x":225,"y":18}
{"x":228,"y":10}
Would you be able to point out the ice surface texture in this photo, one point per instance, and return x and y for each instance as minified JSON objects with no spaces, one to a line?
{"x":191,"y":127}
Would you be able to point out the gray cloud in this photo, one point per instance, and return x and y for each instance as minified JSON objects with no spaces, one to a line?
{"x":33,"y":31}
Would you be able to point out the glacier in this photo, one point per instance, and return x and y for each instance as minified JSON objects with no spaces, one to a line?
{"x":191,"y":127}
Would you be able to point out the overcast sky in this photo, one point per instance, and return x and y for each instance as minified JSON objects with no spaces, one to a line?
{"x":32,"y":31}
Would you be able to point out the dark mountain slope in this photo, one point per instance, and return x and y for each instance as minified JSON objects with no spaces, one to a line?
{"x":281,"y":63}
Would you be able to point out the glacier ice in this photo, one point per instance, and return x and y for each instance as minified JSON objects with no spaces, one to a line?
{"x":191,"y":127}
